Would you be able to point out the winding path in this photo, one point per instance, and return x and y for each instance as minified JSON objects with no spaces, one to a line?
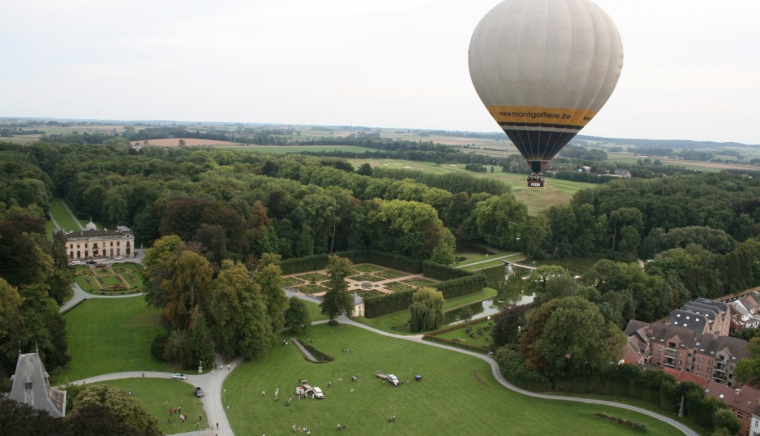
{"x":212,"y":382}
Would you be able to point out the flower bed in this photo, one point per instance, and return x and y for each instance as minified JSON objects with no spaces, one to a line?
{"x":390,"y":274}
{"x":311,"y":289}
{"x":398,"y":287}
{"x":292,"y":281}
{"x":366,"y":278}
{"x":419,"y":282}
{"x":313,"y":277}
{"x":369,"y":268}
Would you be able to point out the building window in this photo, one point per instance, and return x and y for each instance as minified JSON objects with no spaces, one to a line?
{"x":680,"y":362}
{"x":699,"y":367}
{"x":660,"y":350}
{"x":700,"y":359}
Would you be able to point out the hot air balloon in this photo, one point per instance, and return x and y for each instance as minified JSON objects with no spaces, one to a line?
{"x":543,"y":69}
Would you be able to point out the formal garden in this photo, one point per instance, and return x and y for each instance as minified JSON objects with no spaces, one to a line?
{"x":370,"y":281}
{"x":116,"y":279}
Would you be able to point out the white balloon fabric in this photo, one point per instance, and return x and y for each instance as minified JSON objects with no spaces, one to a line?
{"x":543,"y":69}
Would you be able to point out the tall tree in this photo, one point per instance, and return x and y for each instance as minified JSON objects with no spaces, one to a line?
{"x":426,"y":310}
{"x":189,"y":285}
{"x":127,"y":410}
{"x":269,"y":277}
{"x":337,"y":300}
{"x":297,"y":316}
{"x":570,"y":337}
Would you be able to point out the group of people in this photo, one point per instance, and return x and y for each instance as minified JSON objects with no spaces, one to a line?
{"x":298,"y":428}
{"x":347,"y":351}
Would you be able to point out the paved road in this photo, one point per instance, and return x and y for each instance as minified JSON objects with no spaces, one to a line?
{"x":80,"y":294}
{"x":210,"y":382}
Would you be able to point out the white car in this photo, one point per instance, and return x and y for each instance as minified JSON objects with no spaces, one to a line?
{"x":179,"y":376}
{"x":76,"y":262}
{"x":118,"y":258}
{"x":318,"y":393}
{"x":393,"y":379}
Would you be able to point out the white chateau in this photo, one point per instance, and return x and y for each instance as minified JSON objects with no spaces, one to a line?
{"x":92,"y":243}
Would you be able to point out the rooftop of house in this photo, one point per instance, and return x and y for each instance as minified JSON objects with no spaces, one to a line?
{"x":745,"y":399}
{"x":31,"y":385}
{"x":682,"y":376}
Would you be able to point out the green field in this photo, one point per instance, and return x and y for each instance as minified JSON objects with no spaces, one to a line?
{"x":315,"y":312}
{"x":49,"y":229}
{"x":111,"y":335}
{"x":556,"y":191}
{"x":396,"y":322}
{"x":461,"y":336}
{"x":158,"y":396}
{"x":295,"y":148}
{"x":457,"y":396}
{"x":64,"y":218}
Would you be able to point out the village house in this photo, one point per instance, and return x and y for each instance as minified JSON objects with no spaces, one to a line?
{"x":92,"y":243}
{"x":662,"y":345}
{"x":745,"y":311}
{"x":743,"y":402}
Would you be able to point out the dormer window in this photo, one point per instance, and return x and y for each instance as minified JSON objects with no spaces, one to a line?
{"x":28,"y":385}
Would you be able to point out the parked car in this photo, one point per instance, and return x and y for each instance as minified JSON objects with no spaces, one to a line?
{"x":198,"y":392}
{"x":318,"y":393}
{"x":119,"y":258}
{"x":393,"y":379}
{"x":179,"y":376}
{"x":76,"y":262}
{"x":91,"y":262}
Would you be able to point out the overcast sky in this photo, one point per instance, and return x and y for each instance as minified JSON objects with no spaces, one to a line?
{"x":692,"y":67}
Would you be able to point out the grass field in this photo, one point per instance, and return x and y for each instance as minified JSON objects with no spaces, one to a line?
{"x":396,"y":322}
{"x":556,"y":191}
{"x":111,"y":335}
{"x":462,"y":337}
{"x":49,"y":229}
{"x":314,"y":311}
{"x":458,"y":394}
{"x":158,"y":396}
{"x":64,"y":218}
{"x":473,"y":258}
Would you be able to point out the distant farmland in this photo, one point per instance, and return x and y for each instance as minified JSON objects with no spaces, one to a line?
{"x":174,"y":142}
{"x":297,"y":148}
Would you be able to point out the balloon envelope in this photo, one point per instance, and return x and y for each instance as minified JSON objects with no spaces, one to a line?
{"x":543,"y":69}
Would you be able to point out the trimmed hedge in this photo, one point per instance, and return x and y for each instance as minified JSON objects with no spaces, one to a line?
{"x":383,"y":305}
{"x":319,"y":261}
{"x":622,"y":421}
{"x":462,"y":286}
{"x":442,"y":272}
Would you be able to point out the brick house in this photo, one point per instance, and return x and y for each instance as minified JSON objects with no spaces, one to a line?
{"x":743,"y":402}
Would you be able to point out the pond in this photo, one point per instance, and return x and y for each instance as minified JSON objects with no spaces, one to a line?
{"x":508,"y":281}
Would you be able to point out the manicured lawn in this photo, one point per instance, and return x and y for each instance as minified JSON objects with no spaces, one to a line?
{"x":65,"y":220}
{"x":314,"y":311}
{"x":368,"y":268}
{"x":391,"y":274}
{"x":292,"y":281}
{"x":311,"y":289}
{"x":158,"y":396}
{"x":112,"y":335}
{"x":316,"y":277}
{"x":449,"y":401}
{"x":82,"y":282}
{"x":397,"y":287}
{"x":367,"y":278}
{"x":419,"y":282}
{"x":49,"y":229}
{"x":492,"y":263}
{"x":396,"y":322}
{"x":364,"y":294}
{"x":483,"y":257}
{"x":110,"y":281}
{"x":463,"y":337}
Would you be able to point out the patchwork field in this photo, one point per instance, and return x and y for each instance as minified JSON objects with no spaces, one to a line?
{"x":457,"y":394}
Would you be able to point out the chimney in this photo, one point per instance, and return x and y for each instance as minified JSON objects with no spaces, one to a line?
{"x":737,"y":391}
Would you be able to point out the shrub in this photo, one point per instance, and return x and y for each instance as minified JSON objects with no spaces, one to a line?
{"x":626,"y":422}
{"x":158,"y":345}
{"x":442,"y":272}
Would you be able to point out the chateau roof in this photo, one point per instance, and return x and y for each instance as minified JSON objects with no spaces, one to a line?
{"x":31,"y":386}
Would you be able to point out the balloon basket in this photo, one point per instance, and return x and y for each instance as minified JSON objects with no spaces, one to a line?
{"x":536,"y":183}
